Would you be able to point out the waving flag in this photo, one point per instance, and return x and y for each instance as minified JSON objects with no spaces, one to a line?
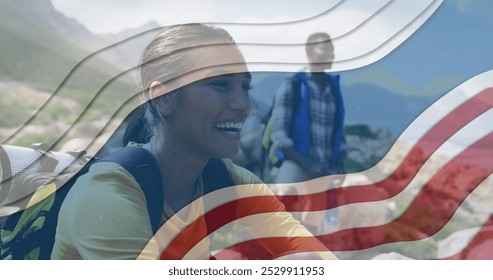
{"x":431,"y":188}
{"x":433,"y":182}
{"x":428,"y":197}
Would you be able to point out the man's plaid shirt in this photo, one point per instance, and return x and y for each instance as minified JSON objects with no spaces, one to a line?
{"x":322,"y":116}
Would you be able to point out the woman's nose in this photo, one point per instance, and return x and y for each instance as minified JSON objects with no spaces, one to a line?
{"x":240,"y":101}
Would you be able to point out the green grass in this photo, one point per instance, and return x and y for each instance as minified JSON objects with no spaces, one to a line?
{"x":29,"y":139}
{"x":13,"y":113}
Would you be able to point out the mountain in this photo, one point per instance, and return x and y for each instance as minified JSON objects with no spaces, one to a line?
{"x":128,"y":55}
{"x":43,"y":14}
{"x":370,"y":104}
{"x":41,"y":46}
{"x":48,"y":61}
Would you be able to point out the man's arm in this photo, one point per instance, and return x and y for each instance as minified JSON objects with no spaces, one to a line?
{"x":313,"y":168}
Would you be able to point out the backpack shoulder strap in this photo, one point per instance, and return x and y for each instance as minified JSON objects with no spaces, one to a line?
{"x":296,"y":81}
{"x":216,"y":176}
{"x":338,"y":134}
{"x":300,"y":123}
{"x":141,"y":164}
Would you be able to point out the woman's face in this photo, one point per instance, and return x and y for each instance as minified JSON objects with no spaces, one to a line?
{"x":209,"y":112}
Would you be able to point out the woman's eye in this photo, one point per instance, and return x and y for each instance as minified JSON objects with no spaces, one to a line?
{"x":220,"y":85}
{"x":224,"y":85}
{"x":247,"y":88}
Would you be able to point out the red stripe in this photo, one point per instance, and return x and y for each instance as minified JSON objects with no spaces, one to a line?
{"x":222,"y":215}
{"x":227,"y":213}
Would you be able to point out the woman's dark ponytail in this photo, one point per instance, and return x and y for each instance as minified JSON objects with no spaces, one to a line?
{"x":137,"y":128}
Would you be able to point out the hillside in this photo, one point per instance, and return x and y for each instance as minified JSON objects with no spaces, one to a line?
{"x":36,"y":46}
{"x":128,"y":54}
{"x":46,"y":62}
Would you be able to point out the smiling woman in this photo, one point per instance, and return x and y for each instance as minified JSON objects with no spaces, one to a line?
{"x":209,"y":115}
{"x":195,"y":83}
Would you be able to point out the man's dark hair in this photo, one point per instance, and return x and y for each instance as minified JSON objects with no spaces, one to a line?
{"x":317,"y":38}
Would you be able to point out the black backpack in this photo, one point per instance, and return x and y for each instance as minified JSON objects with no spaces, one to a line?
{"x":30,"y":234}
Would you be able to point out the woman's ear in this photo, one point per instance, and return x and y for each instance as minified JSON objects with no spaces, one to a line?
{"x":156,"y":89}
{"x":160,"y":96}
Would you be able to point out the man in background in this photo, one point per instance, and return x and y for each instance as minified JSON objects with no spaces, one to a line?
{"x":308,"y":129}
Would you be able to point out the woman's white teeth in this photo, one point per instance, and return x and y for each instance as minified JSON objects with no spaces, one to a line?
{"x":230,"y":127}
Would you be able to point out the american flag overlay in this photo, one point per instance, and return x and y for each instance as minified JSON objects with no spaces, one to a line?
{"x":417,"y":83}
{"x":432,"y":181}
